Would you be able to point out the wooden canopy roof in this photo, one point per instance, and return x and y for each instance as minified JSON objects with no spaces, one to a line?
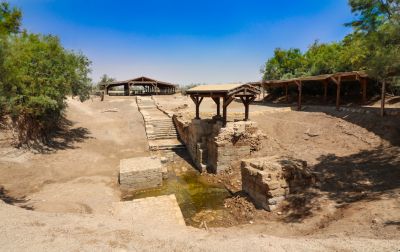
{"x":228,"y":92}
{"x":356,"y":75}
{"x":223,"y":90}
{"x":141,"y":81}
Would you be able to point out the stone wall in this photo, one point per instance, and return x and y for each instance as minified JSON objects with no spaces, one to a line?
{"x":269,"y":180}
{"x":214,"y":148}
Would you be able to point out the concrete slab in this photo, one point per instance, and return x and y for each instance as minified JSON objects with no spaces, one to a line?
{"x":161,"y":211}
{"x":140,"y":173}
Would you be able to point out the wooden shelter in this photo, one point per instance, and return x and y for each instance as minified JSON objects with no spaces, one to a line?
{"x":142,"y":86}
{"x":228,"y":92}
{"x":337,"y":79}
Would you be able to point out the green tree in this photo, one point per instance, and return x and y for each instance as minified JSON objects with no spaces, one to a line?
{"x":10,"y":19}
{"x":104,"y":79}
{"x":378,"y":23}
{"x":38,"y":75}
{"x":324,"y":58}
{"x":284,"y":64}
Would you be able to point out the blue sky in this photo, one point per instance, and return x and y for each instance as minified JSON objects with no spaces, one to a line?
{"x":185,"y":41}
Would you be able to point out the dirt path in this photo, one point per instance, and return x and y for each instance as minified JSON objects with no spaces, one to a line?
{"x":80,"y":173}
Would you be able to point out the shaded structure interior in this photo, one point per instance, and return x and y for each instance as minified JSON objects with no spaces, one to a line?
{"x":337,"y":79}
{"x":140,"y":86}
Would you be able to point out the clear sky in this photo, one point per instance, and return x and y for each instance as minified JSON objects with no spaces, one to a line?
{"x":183,"y":41}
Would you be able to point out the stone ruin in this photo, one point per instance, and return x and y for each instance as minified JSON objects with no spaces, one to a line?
{"x":141,"y":173}
{"x":214,"y":148}
{"x":269,"y":180}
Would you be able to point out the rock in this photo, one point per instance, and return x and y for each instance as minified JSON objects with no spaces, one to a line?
{"x":164,"y":160}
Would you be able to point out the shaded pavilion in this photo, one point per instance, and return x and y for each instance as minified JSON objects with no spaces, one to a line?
{"x":147,"y":86}
{"x":336,"y":79}
{"x":228,"y":92}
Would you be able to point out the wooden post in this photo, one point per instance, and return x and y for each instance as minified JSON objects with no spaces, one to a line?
{"x":299,"y":87}
{"x":126,"y":89}
{"x":197,"y":100}
{"x":217,"y":101}
{"x":263,"y":92}
{"x":286,"y":92}
{"x":224,"y":115}
{"x":325,"y":90}
{"x":338,"y":83}
{"x":364,"y":90}
{"x":246,"y":102}
{"x":338,"y":94}
{"x":225,"y":103}
{"x":383,"y":97}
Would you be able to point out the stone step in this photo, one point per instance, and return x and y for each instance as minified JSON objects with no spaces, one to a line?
{"x":166,"y":133}
{"x":163,"y":137}
{"x":162,"y":134}
{"x":155,"y":133}
{"x":159,"y":121}
{"x":164,"y":128}
{"x":167,"y":147}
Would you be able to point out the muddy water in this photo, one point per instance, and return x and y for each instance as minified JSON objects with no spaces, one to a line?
{"x":199,"y":200}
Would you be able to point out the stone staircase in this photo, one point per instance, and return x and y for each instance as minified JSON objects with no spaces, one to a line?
{"x":160,"y":128}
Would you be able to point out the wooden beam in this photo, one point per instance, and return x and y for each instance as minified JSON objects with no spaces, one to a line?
{"x":325,"y":90}
{"x":335,"y":80}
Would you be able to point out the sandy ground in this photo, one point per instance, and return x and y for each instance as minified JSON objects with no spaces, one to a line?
{"x":80,"y":172}
{"x":356,"y":157}
{"x":71,"y":187}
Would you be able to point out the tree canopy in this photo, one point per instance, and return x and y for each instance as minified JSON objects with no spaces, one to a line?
{"x":10,"y":19}
{"x":37,"y":74}
{"x":104,"y":79}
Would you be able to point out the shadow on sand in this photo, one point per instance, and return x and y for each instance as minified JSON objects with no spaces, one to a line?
{"x":365,"y":176}
{"x":62,"y":138}
{"x":387,"y":127}
{"x":20,"y":202}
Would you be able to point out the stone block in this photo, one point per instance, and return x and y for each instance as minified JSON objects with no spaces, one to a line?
{"x":140,"y":173}
{"x":268,"y":180}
